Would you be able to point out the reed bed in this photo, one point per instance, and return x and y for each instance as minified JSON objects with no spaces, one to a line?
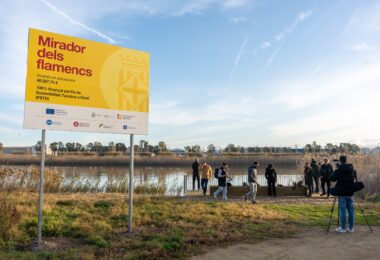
{"x":13,"y":179}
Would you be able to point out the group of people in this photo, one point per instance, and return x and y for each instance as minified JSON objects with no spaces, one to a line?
{"x":203,"y":172}
{"x":315,"y":174}
{"x":345,"y":176}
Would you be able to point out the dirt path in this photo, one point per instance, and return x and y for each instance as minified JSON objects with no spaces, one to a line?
{"x":312,"y":244}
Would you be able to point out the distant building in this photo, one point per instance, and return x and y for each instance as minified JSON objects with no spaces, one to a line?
{"x":25,"y":150}
{"x":177,"y":151}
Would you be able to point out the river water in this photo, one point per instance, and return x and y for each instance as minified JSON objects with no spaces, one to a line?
{"x":172,"y":177}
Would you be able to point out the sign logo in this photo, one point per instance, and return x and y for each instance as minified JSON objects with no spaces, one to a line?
{"x":76,"y":123}
{"x":49,"y":122}
{"x":49,"y":111}
{"x":125,"y":127}
{"x":105,"y":126}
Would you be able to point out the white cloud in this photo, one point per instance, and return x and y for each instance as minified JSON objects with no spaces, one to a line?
{"x":300,"y":17}
{"x":272,"y":56}
{"x":265,"y":45}
{"x":234,"y":3}
{"x":339,"y":105}
{"x":363,"y":46}
{"x":362,"y":31}
{"x":75,"y":22}
{"x":238,"y":56}
{"x":236,"y":20}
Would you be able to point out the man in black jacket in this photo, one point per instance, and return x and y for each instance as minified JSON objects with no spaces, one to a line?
{"x":195,"y":167}
{"x":326,"y":172}
{"x":345,"y":176}
{"x":316,"y":175}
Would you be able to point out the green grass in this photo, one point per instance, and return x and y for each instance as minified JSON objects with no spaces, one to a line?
{"x":96,"y":225}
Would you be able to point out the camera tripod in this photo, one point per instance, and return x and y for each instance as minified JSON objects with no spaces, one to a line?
{"x":332,"y":211}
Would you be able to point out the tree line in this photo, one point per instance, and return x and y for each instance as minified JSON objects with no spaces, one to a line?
{"x":161,"y":147}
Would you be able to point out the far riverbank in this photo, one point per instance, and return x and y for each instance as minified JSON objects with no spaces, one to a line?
{"x":283,"y":160}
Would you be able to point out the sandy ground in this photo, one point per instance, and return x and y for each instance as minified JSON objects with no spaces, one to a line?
{"x":311,"y":244}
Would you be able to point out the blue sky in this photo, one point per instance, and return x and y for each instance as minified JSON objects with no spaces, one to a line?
{"x":274,"y":73}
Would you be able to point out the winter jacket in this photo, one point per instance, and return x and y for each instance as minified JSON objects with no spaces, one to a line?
{"x":344,"y":175}
{"x":206,"y":171}
{"x":252,"y":174}
{"x":270,"y":175}
{"x":308,"y":174}
{"x":222,"y":177}
{"x":315,"y":167}
{"x":326,"y":171}
{"x":195,"y":167}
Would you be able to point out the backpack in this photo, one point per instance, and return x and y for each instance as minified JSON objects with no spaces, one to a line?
{"x":216,"y":173}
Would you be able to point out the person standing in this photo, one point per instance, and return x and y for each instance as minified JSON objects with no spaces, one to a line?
{"x":252,"y":182}
{"x":345,"y":176}
{"x":326,"y":172}
{"x":308,"y":175}
{"x":195,"y":167}
{"x":316,"y":174}
{"x":222,"y":181}
{"x":206,"y":173}
{"x":271,"y":176}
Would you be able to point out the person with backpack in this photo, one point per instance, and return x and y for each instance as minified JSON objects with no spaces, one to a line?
{"x":316,"y":174}
{"x":206,"y":172}
{"x":252,"y":182}
{"x":345,"y":177}
{"x":221,"y":174}
{"x":271,"y":176}
{"x":326,"y":172}
{"x":195,"y":167}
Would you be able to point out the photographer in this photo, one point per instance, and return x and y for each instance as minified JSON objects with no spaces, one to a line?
{"x":345,"y":176}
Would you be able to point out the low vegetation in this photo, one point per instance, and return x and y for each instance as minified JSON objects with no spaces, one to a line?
{"x":95,"y":225}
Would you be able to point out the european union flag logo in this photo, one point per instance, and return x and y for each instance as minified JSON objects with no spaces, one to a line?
{"x":49,"y":111}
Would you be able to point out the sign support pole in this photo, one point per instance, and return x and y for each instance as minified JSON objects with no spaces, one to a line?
{"x":41,"y":192}
{"x":130,"y":190}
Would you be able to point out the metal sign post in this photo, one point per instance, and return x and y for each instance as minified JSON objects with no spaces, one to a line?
{"x":130,"y":190}
{"x":41,"y":192}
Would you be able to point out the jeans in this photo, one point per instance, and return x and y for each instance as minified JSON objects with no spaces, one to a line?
{"x":326,"y":183}
{"x":346,"y":203}
{"x":196,"y":177}
{"x":221,"y":189}
{"x":252,"y":190}
{"x":309,"y":189}
{"x":316,"y":181}
{"x":271,"y":188}
{"x":204,"y":183}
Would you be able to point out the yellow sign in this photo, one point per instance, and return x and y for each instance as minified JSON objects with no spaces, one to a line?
{"x":80,"y":85}
{"x":76,"y":72}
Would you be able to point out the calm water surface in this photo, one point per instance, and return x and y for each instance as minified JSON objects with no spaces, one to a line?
{"x":173,"y":177}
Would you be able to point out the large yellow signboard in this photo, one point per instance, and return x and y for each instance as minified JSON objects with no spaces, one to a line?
{"x":81,"y":85}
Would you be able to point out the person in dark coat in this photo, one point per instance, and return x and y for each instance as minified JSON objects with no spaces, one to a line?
{"x":326,"y":172}
{"x":271,"y":176}
{"x":308,"y":174}
{"x":345,"y":176}
{"x":195,"y":167}
{"x":316,"y":174}
{"x":222,"y":181}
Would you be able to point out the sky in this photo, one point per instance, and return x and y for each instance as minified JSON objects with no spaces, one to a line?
{"x":246,"y":72}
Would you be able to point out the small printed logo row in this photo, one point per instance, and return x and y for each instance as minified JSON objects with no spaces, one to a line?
{"x":61,"y":112}
{"x":81,"y":124}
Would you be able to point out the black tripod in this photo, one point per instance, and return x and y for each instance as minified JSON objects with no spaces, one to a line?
{"x":361,"y":209}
